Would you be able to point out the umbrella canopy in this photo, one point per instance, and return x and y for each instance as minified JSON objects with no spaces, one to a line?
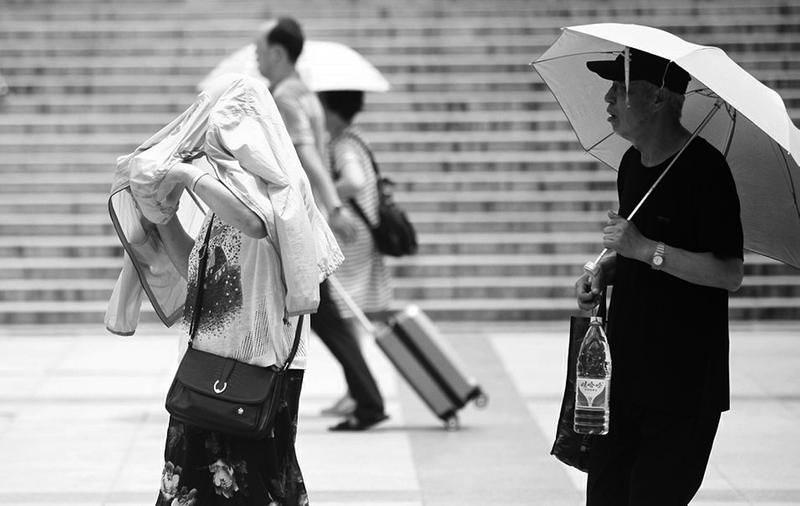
{"x":753,"y":128}
{"x":323,"y":66}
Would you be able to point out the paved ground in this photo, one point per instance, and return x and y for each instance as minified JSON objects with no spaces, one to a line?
{"x":82,"y":423}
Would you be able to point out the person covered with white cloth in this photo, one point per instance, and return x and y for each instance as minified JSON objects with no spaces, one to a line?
{"x":269,"y":248}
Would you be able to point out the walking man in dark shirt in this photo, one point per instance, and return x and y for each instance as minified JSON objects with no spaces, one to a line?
{"x":671,"y":267}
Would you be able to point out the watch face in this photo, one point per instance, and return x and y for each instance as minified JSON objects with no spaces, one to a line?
{"x":658,"y":260}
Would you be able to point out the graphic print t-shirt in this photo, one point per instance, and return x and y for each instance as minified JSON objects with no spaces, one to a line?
{"x":241,"y":314}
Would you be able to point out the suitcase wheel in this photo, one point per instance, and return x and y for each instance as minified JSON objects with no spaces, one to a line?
{"x":481,"y":400}
{"x":452,"y":424}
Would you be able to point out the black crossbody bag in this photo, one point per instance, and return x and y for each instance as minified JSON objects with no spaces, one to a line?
{"x":222,"y":394}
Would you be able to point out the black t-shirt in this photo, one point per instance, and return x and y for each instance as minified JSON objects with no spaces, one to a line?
{"x":668,"y":337}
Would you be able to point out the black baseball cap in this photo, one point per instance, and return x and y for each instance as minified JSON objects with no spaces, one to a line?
{"x":643,"y":67}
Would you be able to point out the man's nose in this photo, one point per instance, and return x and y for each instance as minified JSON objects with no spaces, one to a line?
{"x":609,"y":96}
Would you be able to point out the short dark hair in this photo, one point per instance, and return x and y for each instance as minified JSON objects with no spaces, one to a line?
{"x":345,"y":103}
{"x":287,"y":33}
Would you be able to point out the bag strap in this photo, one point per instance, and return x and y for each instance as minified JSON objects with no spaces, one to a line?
{"x":601,"y":309}
{"x":357,"y":138}
{"x":198,"y":300}
{"x":361,"y":214}
{"x":295,"y":344}
{"x":201,"y":275}
{"x":357,"y":208}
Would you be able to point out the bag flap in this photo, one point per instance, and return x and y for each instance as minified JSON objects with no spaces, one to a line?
{"x":203,"y":372}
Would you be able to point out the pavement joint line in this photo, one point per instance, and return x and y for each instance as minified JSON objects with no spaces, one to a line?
{"x":734,"y":397}
{"x":65,"y":497}
{"x":749,"y":495}
{"x":130,"y":399}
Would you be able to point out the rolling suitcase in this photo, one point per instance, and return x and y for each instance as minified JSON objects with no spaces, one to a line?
{"x":427,"y":362}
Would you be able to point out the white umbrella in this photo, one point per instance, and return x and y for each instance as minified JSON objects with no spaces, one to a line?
{"x":753,"y":128}
{"x":323,"y":66}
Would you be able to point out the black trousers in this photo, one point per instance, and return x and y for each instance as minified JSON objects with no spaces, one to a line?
{"x":332,"y":329}
{"x":650,"y":457}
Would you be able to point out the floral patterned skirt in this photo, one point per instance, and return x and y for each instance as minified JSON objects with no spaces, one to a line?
{"x":205,"y":468}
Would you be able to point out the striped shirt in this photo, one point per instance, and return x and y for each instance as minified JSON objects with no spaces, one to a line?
{"x":363,"y":274}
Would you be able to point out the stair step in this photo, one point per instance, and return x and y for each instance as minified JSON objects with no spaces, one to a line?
{"x":408,"y":289}
{"x":30,"y":246}
{"x":72,"y":183}
{"x":424,"y":222}
{"x":569,"y":263}
{"x":398,"y":122}
{"x":41,"y":167}
{"x":70,"y":246}
{"x":385,"y":10}
{"x":525,"y":287}
{"x":420,"y":201}
{"x":526,"y":20}
{"x":56,"y":290}
{"x":118,"y":34}
{"x":26,"y":64}
{"x":167,"y":106}
{"x":504,"y":181}
{"x":522,"y":80}
{"x":533,"y":309}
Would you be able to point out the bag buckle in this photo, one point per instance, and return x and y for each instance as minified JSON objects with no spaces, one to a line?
{"x":220,"y":390}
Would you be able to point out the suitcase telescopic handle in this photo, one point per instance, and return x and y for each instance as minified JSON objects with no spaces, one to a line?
{"x":359,"y":314}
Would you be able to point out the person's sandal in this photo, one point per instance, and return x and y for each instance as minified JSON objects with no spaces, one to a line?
{"x":353,"y":424}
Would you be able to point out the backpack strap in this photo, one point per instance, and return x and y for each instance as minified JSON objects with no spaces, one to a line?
{"x":358,"y":140}
{"x":357,"y":208}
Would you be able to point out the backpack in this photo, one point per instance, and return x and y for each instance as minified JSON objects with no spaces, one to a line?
{"x":394,"y":235}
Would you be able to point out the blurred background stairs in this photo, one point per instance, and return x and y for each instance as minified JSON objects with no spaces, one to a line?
{"x":507,"y":205}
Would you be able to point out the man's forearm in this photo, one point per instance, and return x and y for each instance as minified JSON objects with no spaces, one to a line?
{"x":319,"y":177}
{"x":703,"y":269}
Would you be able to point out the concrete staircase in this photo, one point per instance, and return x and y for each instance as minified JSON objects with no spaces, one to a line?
{"x":507,"y":204}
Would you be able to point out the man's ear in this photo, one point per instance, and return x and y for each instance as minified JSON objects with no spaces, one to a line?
{"x":659,"y":99}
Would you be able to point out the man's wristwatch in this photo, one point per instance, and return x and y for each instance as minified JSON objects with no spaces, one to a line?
{"x":657,"y":262}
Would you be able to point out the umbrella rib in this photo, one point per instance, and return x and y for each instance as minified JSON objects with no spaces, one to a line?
{"x":590,"y":148}
{"x":702,"y":91}
{"x":731,"y":130}
{"x":791,"y":180}
{"x":573,"y":54}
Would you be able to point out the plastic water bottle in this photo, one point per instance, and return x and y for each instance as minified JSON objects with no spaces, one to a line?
{"x":593,"y":381}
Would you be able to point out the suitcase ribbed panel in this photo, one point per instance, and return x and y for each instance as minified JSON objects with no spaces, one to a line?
{"x":415,"y":374}
{"x":436,"y":353}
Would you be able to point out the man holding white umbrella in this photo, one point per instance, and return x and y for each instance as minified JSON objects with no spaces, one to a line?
{"x":278,"y":49}
{"x":672,"y":266}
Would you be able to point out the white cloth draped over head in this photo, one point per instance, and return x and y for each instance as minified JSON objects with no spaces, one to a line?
{"x":236,"y":124}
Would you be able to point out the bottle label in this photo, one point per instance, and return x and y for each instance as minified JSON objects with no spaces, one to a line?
{"x":591,"y":393}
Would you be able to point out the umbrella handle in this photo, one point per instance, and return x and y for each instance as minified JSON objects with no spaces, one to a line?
{"x":593,"y":267}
